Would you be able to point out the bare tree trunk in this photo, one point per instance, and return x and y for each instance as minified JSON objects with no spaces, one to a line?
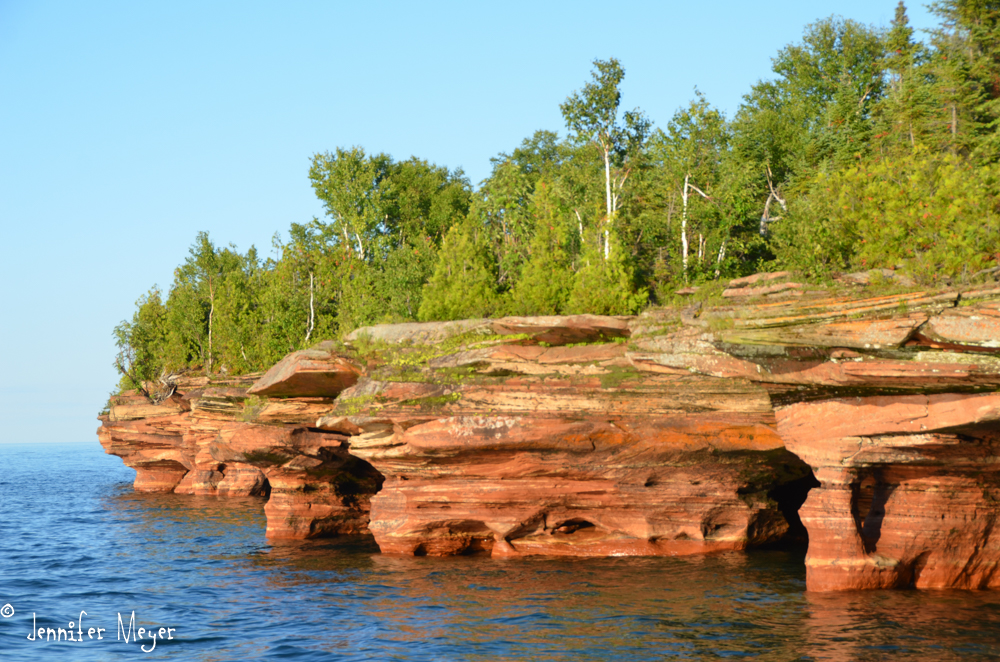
{"x":701,"y":248}
{"x":720,"y":257}
{"x":579,"y":223}
{"x":312,"y":311}
{"x":684,"y":218}
{"x":684,"y":223}
{"x":607,"y":198}
{"x":765,"y":218}
{"x":211,"y":315}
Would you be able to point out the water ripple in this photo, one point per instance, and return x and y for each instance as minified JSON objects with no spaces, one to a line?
{"x":76,"y":538}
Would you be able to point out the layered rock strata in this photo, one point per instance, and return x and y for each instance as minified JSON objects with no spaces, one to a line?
{"x":679,"y":431}
{"x":201,"y":441}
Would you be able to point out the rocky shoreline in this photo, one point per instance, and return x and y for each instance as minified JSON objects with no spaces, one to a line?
{"x":867,"y":425}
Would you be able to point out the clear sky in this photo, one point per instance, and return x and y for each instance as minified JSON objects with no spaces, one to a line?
{"x":127,"y":127}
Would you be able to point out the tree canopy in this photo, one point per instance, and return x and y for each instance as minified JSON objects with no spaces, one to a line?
{"x":865,"y":148}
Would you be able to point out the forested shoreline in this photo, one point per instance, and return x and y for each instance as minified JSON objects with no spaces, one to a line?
{"x":866,"y":149}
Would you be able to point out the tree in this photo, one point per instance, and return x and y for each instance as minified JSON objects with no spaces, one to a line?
{"x":904,"y":110}
{"x":591,"y":116}
{"x":819,"y":107}
{"x":423,"y":200}
{"x":462,"y":284}
{"x":965,"y":70}
{"x":502,"y":207}
{"x":141,"y":343}
{"x":935,"y":213}
{"x":689,"y":155}
{"x":352,"y":187}
{"x":545,"y":282}
{"x":604,"y":286}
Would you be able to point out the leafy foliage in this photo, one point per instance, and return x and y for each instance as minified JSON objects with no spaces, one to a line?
{"x":866,"y":148}
{"x":463,"y":282}
{"x":936,"y":215}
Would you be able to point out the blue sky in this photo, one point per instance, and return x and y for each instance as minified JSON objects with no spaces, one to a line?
{"x":127,"y":127}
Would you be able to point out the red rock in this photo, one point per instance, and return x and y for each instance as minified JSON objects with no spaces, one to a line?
{"x":759,"y":278}
{"x":907,"y":495}
{"x":417,"y":333}
{"x":860,"y":334}
{"x":341,"y":424}
{"x":294,"y":411}
{"x":132,"y":412}
{"x":760,"y":291}
{"x":558,"y":355}
{"x":867,"y":277}
{"x":567,"y":480}
{"x":667,"y":444}
{"x":315,"y":487}
{"x":307,"y":373}
{"x":973,"y":326}
{"x":564,"y":329}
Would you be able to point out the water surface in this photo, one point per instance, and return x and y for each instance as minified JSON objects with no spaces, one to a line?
{"x":74,"y":537}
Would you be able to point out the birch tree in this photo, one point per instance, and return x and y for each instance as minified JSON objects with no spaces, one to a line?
{"x":592,"y":116}
{"x":354,"y":189}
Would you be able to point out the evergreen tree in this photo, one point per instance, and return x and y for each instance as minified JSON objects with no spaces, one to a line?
{"x":903,"y":114}
{"x":605,"y":286}
{"x":463,"y":282}
{"x":141,"y":342}
{"x":966,"y":73}
{"x":546,"y":280}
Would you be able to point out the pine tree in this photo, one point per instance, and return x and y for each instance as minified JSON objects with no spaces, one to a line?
{"x":463,"y":284}
{"x":966,"y":74}
{"x":546,"y":280}
{"x":905,"y":110}
{"x":605,"y":286}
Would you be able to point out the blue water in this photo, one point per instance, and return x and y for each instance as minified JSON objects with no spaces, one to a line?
{"x":75,"y":537}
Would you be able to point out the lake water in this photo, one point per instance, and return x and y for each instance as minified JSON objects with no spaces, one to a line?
{"x":75,"y":537}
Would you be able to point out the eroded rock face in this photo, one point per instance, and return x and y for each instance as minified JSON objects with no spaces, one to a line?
{"x":897,"y":415}
{"x":519,"y":449}
{"x":314,"y":486}
{"x":560,"y":481}
{"x":309,"y":372}
{"x":909,"y":490}
{"x":675,"y":432}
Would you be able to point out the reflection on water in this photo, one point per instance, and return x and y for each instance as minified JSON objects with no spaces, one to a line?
{"x":76,"y":537}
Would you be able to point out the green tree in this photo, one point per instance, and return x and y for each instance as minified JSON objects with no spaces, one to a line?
{"x":688,"y":157}
{"x":819,"y":107}
{"x":904,"y":111}
{"x":935,"y":214}
{"x":965,"y":77}
{"x":423,"y":200}
{"x":463,"y":282}
{"x":605,"y":286}
{"x":591,"y":116}
{"x":353,"y":188}
{"x":546,"y":280}
{"x":141,"y":343}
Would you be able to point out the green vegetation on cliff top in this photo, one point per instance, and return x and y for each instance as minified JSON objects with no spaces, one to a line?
{"x":866,"y":150}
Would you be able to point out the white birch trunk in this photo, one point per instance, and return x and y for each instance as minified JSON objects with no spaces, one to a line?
{"x":211,"y":314}
{"x":684,"y":223}
{"x":720,"y":257}
{"x":607,"y":198}
{"x":312,"y":310}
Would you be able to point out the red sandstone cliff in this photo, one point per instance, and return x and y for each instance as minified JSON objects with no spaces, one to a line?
{"x":675,"y":432}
